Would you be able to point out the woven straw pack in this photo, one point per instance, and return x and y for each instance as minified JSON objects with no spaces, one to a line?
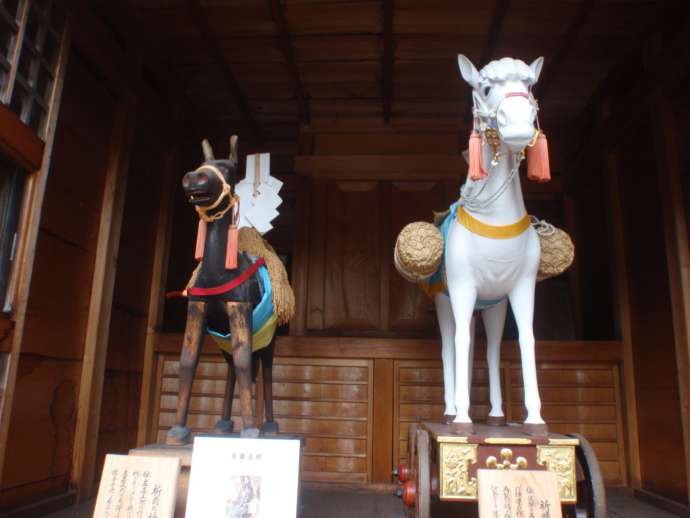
{"x":418,"y":251}
{"x":557,"y":250}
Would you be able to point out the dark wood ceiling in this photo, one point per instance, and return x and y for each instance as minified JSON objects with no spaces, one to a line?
{"x":268,"y":65}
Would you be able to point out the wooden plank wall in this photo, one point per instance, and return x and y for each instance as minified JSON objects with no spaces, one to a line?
{"x":152,"y":143}
{"x":327,"y":402}
{"x":580,"y":398}
{"x":40,"y":441}
{"x":354,"y":416}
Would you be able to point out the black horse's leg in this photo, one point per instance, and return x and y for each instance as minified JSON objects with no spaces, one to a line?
{"x":224,"y":425}
{"x":240,"y":316}
{"x":266,"y":354}
{"x":180,"y":433}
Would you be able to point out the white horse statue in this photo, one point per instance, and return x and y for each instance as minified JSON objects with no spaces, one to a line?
{"x":492,"y":252}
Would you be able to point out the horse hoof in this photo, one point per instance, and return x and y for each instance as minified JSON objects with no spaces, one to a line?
{"x":447,"y":418}
{"x":462,"y":428}
{"x":269,"y":428}
{"x":179,"y":435}
{"x":496,"y":420}
{"x":250,"y":433}
{"x":535,"y":429}
{"x":223,"y":427}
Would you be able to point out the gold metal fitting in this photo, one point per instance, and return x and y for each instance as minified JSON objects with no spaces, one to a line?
{"x":506,"y":461}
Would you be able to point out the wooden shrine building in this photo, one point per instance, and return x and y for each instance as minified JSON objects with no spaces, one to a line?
{"x":362,"y":107}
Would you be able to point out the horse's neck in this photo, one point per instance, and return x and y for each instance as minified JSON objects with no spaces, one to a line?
{"x":213,"y":263}
{"x":507,"y":208}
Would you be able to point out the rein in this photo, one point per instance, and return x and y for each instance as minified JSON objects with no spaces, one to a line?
{"x":230,"y":285}
{"x":234,"y":205}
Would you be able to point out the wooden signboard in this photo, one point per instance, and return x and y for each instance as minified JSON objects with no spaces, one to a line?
{"x":233,"y":477}
{"x":136,"y":487}
{"x":518,"y":494}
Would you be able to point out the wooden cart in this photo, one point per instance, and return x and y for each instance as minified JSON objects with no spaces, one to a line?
{"x":443,"y":465}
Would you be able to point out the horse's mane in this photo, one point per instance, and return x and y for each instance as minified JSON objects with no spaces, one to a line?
{"x":507,"y":69}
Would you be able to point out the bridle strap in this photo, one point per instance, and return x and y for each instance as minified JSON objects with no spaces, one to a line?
{"x":227,"y":191}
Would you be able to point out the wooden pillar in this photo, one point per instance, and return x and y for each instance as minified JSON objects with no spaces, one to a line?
{"x":102,"y":287}
{"x":382,"y":422}
{"x":171,"y":176}
{"x":574,"y":276}
{"x":30,"y":219}
{"x":300,"y":257}
{"x":675,"y":229}
{"x":623,"y":295}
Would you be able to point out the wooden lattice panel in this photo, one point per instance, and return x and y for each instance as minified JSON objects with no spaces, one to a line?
{"x":581,"y":398}
{"x":419,"y":397}
{"x":327,"y":402}
{"x":576,"y":398}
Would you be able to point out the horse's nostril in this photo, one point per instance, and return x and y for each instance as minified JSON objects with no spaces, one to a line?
{"x":202,"y":178}
{"x":185,"y":182}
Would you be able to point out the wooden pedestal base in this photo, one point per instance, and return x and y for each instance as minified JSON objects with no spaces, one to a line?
{"x":184,"y":453}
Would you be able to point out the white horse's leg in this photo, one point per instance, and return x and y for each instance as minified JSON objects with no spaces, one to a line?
{"x":494,"y":319}
{"x":522,"y":303}
{"x":463,"y":299}
{"x":473,"y":333}
{"x":446,"y":325}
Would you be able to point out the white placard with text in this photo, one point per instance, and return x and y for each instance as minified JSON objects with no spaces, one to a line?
{"x":243,"y":478}
{"x":518,"y":494}
{"x":137,"y":486}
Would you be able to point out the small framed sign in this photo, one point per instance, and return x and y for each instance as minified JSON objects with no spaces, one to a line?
{"x":518,"y":494}
{"x":137,"y":487}
{"x":243,"y":478}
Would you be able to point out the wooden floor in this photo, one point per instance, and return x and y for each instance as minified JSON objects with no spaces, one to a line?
{"x":329,"y":504}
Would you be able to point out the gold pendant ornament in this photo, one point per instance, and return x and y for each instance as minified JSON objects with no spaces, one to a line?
{"x":493,"y":139}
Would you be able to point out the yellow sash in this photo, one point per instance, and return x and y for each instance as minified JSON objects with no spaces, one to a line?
{"x":492,"y":231}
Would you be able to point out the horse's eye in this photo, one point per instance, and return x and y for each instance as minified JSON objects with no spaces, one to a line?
{"x":487,"y":89}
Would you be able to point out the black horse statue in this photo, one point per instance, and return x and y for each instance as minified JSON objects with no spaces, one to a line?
{"x":222,"y":295}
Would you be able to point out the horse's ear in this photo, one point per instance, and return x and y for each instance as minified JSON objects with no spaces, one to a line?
{"x":536,"y":67}
{"x":233,"y":150}
{"x":468,"y":71}
{"x":207,"y":150}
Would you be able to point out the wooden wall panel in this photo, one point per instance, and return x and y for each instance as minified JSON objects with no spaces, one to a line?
{"x":41,"y":434}
{"x":123,"y":370}
{"x":576,"y":398}
{"x":348,"y":274}
{"x":328,"y":402}
{"x":419,"y":397}
{"x":410,"y":309}
{"x":652,"y":331}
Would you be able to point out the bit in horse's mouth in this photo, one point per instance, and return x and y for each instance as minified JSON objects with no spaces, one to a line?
{"x":199,"y":196}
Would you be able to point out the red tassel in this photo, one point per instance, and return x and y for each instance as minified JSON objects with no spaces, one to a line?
{"x":476,"y":157}
{"x":231,"y":250}
{"x":538,"y":168}
{"x":200,"y":240}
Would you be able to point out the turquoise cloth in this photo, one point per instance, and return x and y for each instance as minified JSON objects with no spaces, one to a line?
{"x":439,"y":276}
{"x":263,"y":310}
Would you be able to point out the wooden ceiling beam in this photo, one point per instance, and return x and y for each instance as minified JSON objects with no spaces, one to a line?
{"x":200,"y":20}
{"x":578,"y":21}
{"x":387,"y":61}
{"x":278,"y":16}
{"x":492,"y":35}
